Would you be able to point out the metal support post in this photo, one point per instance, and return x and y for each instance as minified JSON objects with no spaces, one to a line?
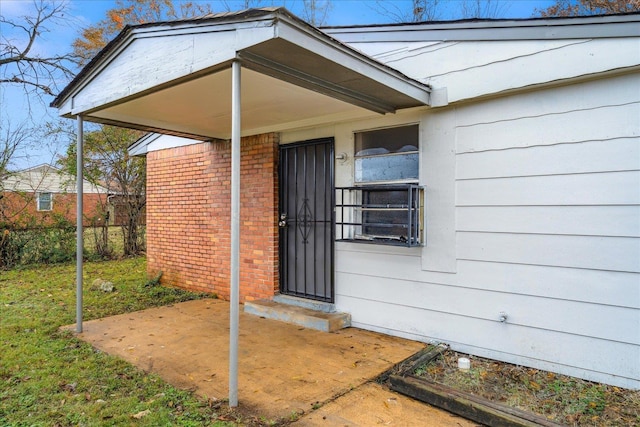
{"x":79,"y":226}
{"x":235,"y":234}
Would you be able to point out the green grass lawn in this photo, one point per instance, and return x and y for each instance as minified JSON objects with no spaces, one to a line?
{"x":50,"y":378}
{"x":116,"y":239}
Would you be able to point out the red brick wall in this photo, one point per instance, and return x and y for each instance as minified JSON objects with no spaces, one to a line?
{"x":20,"y":208}
{"x":188,"y":216}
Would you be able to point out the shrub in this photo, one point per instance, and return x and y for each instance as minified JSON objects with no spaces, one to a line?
{"x":38,"y":245}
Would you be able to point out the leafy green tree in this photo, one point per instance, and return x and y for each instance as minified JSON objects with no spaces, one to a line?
{"x":107,"y":163}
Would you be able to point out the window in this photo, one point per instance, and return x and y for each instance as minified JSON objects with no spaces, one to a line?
{"x":387,"y":155}
{"x":386,"y":205}
{"x":45,"y":201}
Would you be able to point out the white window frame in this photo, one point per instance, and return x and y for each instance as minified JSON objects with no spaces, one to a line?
{"x":39,"y":201}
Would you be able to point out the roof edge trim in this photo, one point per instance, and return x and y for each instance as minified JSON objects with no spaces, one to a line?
{"x":601,"y":26}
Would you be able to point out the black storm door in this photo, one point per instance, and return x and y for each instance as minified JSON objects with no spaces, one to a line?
{"x":306,"y":219}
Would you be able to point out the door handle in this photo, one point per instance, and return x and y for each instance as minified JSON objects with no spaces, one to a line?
{"x":283,"y":221}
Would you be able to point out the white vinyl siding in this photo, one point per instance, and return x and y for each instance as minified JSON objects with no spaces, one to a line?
{"x":47,"y":179}
{"x":546,"y":199}
{"x":469,"y":69}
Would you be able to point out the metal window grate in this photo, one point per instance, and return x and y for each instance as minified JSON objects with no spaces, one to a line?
{"x":381,"y":214}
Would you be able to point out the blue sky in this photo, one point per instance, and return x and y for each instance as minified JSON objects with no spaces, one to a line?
{"x":344,"y":12}
{"x":16,"y":108}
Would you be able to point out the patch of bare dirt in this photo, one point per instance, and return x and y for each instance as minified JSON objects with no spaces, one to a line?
{"x":562,"y":399}
{"x":246,"y":417}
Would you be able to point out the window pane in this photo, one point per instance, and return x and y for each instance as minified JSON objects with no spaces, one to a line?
{"x":390,"y":198}
{"x":384,"y":141}
{"x":387,"y":168}
{"x":387,"y":154}
{"x":44,"y":202}
{"x":391,"y":224}
{"x":379,"y":221}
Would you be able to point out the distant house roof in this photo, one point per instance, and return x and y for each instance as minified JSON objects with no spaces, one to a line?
{"x":46,"y":178}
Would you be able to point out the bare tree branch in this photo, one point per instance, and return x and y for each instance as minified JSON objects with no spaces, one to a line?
{"x":12,"y":139}
{"x":39,"y":74}
{"x":482,"y":9}
{"x":419,"y":10}
{"x":315,"y":12}
{"x":244,"y":4}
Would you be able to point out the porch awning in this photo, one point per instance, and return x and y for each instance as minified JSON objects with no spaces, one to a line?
{"x":183,"y":78}
{"x":175,"y":77}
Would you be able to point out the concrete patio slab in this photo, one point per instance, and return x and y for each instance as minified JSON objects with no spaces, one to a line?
{"x":372,"y":404}
{"x":283,"y":368}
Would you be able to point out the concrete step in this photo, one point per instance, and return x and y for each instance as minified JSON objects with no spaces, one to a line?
{"x":312,"y":319}
{"x":325,"y":307}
